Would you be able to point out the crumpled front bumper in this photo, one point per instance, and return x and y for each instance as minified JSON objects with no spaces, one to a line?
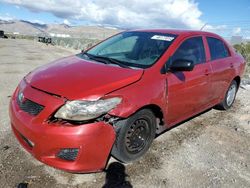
{"x":44,"y":139}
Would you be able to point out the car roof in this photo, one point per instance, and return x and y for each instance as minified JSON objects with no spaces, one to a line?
{"x":178,"y":32}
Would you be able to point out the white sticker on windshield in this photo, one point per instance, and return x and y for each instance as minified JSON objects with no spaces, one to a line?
{"x":161,"y":37}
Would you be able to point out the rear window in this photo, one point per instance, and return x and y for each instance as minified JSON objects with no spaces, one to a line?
{"x":217,"y":48}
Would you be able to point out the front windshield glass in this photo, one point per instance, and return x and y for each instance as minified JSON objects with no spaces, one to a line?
{"x":134,"y":49}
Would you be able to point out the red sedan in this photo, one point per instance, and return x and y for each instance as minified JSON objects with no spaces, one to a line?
{"x":114,"y":98}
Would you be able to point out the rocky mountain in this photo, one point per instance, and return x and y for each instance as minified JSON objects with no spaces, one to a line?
{"x":23,"y":27}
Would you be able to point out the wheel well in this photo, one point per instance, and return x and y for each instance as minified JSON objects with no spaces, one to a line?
{"x":237,"y":79}
{"x":157,"y":112}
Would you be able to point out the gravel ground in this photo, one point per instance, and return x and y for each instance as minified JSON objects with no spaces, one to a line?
{"x":210,"y":150}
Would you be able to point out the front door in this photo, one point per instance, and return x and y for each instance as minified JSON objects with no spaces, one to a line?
{"x":188,"y":91}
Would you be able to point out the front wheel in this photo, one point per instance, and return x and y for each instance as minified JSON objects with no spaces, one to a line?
{"x":229,"y":97}
{"x":134,"y":136}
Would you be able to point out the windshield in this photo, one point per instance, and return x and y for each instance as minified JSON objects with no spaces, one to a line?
{"x":134,"y":49}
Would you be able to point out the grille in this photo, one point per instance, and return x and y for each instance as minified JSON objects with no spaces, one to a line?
{"x":30,"y":107}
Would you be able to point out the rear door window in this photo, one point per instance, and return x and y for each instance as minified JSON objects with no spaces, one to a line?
{"x":218,"y":49}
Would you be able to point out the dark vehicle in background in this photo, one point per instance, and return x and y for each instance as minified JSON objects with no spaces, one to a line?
{"x":2,"y":34}
{"x":46,"y":40}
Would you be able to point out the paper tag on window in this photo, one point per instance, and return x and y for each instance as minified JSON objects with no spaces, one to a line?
{"x":161,"y":37}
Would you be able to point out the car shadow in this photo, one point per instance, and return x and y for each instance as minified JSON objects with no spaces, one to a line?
{"x":116,"y":176}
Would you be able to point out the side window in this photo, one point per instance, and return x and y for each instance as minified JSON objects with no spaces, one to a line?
{"x":217,"y":48}
{"x":191,"y":49}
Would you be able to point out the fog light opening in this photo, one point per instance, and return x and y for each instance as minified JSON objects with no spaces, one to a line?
{"x":68,"y":154}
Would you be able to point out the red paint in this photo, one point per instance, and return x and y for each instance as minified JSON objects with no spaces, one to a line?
{"x":178,"y":95}
{"x":93,"y":79}
{"x":91,"y":139}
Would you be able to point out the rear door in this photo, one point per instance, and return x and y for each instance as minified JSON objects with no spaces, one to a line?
{"x":222,"y":66}
{"x":188,"y":92}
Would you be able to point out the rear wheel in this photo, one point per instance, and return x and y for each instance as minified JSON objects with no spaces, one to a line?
{"x":134,"y":136}
{"x":229,"y":97}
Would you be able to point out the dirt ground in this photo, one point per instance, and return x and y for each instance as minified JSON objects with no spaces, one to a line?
{"x":210,"y":150}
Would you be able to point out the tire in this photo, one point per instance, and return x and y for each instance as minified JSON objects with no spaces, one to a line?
{"x":134,"y":136}
{"x":229,"y":97}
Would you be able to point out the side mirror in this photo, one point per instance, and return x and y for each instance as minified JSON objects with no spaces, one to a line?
{"x":182,"y":65}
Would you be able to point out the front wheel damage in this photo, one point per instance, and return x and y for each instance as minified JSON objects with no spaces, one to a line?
{"x":134,"y":135}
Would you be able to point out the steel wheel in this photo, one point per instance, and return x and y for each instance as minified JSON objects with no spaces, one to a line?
{"x":137,"y":136}
{"x":134,"y":136}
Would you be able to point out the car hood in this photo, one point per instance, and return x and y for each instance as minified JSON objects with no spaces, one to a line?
{"x":75,"y":78}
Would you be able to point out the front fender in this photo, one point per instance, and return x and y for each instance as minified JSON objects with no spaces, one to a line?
{"x":149,"y":90}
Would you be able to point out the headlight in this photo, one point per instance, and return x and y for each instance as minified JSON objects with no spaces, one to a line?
{"x":80,"y":110}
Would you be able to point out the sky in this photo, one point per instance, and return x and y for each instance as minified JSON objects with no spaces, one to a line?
{"x":226,"y":17}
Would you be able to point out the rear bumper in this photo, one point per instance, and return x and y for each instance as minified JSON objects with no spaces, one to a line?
{"x":93,"y":141}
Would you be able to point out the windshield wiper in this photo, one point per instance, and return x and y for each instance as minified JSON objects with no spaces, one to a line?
{"x":115,"y":61}
{"x":96,"y":58}
{"x":107,"y":60}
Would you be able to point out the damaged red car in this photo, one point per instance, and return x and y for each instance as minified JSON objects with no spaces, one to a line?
{"x":114,"y":98}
